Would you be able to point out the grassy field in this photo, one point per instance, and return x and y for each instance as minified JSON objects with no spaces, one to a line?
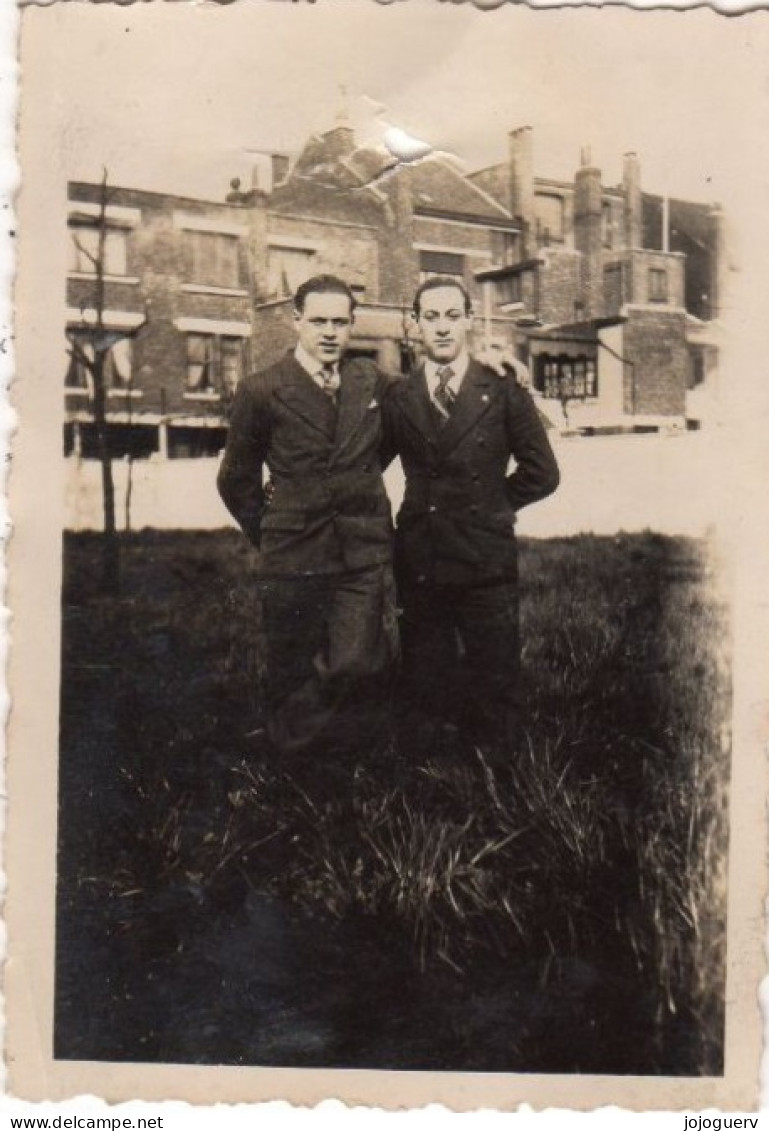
{"x":562,"y":913}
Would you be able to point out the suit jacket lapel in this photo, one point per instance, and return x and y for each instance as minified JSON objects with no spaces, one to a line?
{"x":299,"y":392}
{"x":475,"y":396}
{"x":355,"y":394}
{"x":417,"y":409}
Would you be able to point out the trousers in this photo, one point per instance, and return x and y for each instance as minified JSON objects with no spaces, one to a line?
{"x":461,"y":662}
{"x":330,"y":645}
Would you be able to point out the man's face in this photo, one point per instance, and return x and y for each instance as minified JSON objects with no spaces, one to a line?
{"x":443,"y":323}
{"x":324,"y":326}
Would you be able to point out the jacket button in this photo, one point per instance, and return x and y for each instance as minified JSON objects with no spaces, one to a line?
{"x":433,"y":474}
{"x":421,"y":579}
{"x":367,"y":467}
{"x":473,"y":509}
{"x":432,"y":509}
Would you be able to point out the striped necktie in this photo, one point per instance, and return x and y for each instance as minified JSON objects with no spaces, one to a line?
{"x":444,"y":396}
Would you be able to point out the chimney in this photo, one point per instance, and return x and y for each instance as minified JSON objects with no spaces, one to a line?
{"x":279,"y":163}
{"x":588,"y":208}
{"x":398,"y":262}
{"x":631,"y":181}
{"x":235,"y":196}
{"x":522,"y":185}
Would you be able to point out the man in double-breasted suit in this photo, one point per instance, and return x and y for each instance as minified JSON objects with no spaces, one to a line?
{"x":324,"y":533}
{"x":455,"y":424}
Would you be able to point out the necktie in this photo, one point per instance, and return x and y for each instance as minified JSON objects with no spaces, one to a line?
{"x":330,"y":379}
{"x":444,"y":396}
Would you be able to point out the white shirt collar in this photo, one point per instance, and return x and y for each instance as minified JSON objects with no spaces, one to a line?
{"x":459,"y":366}
{"x":311,"y":365}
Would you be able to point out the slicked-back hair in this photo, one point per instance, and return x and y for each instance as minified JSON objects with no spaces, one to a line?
{"x":323,"y":285}
{"x":436,"y":281}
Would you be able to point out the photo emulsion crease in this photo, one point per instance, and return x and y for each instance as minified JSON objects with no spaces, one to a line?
{"x":386,"y":411}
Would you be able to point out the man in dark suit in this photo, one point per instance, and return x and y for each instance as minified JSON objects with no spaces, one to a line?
{"x":455,"y":425}
{"x":324,"y":530}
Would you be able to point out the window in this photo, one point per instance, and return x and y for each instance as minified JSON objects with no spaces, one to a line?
{"x":566,"y":377}
{"x":213,"y":259}
{"x":607,"y":225}
{"x":509,"y":290}
{"x":78,"y":375}
{"x":139,"y":441}
{"x":84,"y":250}
{"x":117,"y":365}
{"x":504,"y":248}
{"x":658,"y":284}
{"x":186,"y":442}
{"x":509,"y":248}
{"x":433,"y":263}
{"x":118,"y":361}
{"x":591,"y":378}
{"x":233,"y":362}
{"x":697,"y":371}
{"x":215,"y":364}
{"x":549,"y":213}
{"x":200,"y":363}
{"x":288,"y":268}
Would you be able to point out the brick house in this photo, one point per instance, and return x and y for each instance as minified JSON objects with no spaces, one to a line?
{"x":606,"y":292}
{"x":178,"y":285}
{"x":614,"y":290}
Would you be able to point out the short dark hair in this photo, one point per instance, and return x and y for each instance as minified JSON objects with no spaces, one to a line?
{"x":436,"y":281}
{"x":324,"y":285}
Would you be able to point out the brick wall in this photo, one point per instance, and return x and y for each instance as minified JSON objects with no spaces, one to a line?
{"x":464,"y":239}
{"x":273,"y":333}
{"x":399,"y":264}
{"x":312,"y":198}
{"x":613,"y":286}
{"x":345,"y":250}
{"x":559,"y":287}
{"x":655,"y":343}
{"x":642,"y":263}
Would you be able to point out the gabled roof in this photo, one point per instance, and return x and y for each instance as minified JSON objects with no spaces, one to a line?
{"x":370,"y":163}
{"x":439,"y":186}
{"x":332,"y":161}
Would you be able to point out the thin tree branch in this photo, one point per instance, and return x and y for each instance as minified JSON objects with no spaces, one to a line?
{"x":77,"y":353}
{"x":82,"y":248}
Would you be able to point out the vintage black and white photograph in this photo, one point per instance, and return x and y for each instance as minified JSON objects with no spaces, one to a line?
{"x":386,"y":399}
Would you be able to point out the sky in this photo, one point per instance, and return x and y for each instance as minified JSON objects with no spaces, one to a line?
{"x":176,"y":97}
